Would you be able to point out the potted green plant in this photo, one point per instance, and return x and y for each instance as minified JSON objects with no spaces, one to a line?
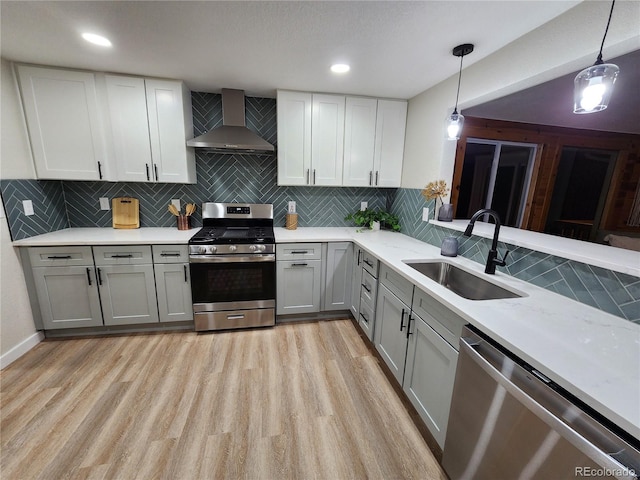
{"x":368,"y":218}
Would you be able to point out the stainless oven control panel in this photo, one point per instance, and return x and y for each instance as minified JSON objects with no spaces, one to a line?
{"x":230,"y":249}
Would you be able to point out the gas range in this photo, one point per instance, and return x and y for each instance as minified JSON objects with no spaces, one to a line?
{"x":234,"y":228}
{"x":233,"y":268}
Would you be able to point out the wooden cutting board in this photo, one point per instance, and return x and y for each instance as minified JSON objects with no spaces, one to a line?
{"x":126,"y":212}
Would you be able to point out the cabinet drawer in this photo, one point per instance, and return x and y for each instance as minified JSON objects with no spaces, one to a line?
{"x":447,"y":323}
{"x":60,"y":256}
{"x":370,"y":263}
{"x":400,"y":286}
{"x":368,"y":316}
{"x":170,"y":253}
{"x":122,"y":255}
{"x":368,"y":290}
{"x":299,"y":251}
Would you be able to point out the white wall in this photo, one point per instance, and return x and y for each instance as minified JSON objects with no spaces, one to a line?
{"x":17,"y":330}
{"x":564,"y":45}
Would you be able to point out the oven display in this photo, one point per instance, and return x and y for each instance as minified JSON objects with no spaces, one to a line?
{"x":239,"y":210}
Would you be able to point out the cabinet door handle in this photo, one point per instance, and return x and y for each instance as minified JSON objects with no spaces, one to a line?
{"x":147,"y":167}
{"x":409,"y":327}
{"x":59,"y":257}
{"x":186,"y":279}
{"x":299,"y":264}
{"x":402,"y":320}
{"x":163,"y":254}
{"x":377,"y":172}
{"x":100,"y":170}
{"x":370,"y":177}
{"x":89,"y":275}
{"x":302,"y":252}
{"x":364,"y":285}
{"x":99,"y":276}
{"x":128,"y":255}
{"x":359,"y":252}
{"x":308,"y":176}
{"x":155,"y":169}
{"x":314,"y":176}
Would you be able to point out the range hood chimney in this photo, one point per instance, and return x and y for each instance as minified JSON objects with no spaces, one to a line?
{"x":233,"y":136}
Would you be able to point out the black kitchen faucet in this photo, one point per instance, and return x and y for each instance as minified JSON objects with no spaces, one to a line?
{"x":492,"y":258}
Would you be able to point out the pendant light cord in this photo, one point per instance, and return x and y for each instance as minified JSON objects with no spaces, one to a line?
{"x":599,"y":60}
{"x":455,"y":109}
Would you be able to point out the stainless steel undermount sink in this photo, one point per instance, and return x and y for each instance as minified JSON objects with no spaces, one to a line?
{"x":461,"y":282}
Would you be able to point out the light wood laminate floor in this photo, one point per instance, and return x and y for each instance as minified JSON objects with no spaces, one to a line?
{"x":298,"y":401}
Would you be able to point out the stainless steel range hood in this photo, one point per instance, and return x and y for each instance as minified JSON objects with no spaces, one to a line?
{"x":233,"y":136}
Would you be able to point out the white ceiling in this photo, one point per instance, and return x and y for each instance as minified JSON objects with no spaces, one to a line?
{"x":396,"y":49}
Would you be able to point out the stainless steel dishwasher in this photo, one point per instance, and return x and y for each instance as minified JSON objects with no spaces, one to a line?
{"x":508,"y":422}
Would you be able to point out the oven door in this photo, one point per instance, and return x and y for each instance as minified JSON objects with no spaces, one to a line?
{"x":233,"y":282}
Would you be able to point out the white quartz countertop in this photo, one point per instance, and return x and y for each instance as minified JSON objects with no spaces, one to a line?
{"x":109,"y":236}
{"x":592,"y":354}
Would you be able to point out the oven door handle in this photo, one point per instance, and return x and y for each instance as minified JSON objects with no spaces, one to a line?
{"x":269,"y":257}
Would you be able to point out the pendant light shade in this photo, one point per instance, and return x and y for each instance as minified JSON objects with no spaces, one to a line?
{"x":455,"y":121}
{"x":593,"y":86}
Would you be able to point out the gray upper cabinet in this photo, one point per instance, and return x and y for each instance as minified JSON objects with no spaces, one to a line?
{"x":173,"y":283}
{"x":337,"y":291}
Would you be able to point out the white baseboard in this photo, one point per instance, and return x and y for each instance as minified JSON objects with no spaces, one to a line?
{"x":20,"y":349}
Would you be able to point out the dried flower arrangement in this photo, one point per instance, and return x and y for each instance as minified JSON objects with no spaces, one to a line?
{"x":437,"y":189}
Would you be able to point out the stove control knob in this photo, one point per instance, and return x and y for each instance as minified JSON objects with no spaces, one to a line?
{"x":232,"y":248}
{"x":261,"y":248}
{"x":253,"y":248}
{"x":202,"y":250}
{"x":212,"y":249}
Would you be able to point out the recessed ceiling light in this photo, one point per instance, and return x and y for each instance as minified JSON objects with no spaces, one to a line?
{"x":96,"y":39}
{"x":340,"y":68}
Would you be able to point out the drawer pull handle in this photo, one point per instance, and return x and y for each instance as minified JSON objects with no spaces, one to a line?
{"x":128,"y":255}
{"x":299,"y":264}
{"x":301,"y":252}
{"x":364,"y":317}
{"x":59,"y":257}
{"x":235,"y":317}
{"x":368,"y":263}
{"x":364,"y":285}
{"x":89,"y":275}
{"x":169,"y":254}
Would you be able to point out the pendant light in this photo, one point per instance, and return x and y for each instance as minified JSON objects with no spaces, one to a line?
{"x":456,"y":120}
{"x":593,"y":86}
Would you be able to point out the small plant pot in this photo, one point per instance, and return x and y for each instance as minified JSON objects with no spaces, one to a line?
{"x":375,"y":226}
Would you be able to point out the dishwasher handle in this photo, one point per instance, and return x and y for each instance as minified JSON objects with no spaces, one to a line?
{"x":470,"y":347}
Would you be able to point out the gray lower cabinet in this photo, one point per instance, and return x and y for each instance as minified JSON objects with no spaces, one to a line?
{"x":356,"y":278}
{"x":128,"y":294}
{"x":337,"y":287}
{"x":127,"y":284}
{"x":298,"y":289}
{"x":173,"y":282}
{"x":68,"y":296}
{"x":429,"y":375}
{"x":66,"y":286}
{"x":391,"y":325}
